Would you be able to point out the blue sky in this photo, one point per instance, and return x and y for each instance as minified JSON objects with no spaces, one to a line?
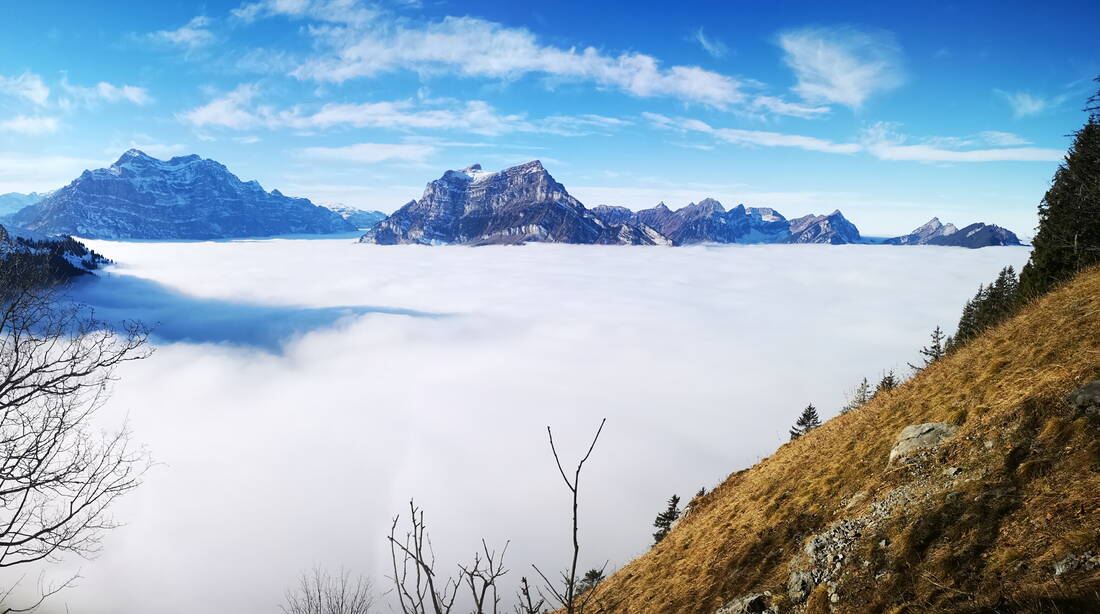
{"x":891,"y":113}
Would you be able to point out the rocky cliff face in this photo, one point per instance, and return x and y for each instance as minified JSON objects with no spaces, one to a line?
{"x":973,"y":236}
{"x":187,"y":197}
{"x":515,"y":205}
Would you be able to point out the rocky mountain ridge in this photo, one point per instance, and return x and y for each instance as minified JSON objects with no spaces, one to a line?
{"x":525,"y":203}
{"x":186,"y":197}
{"x":975,"y":235}
{"x":513,"y":206}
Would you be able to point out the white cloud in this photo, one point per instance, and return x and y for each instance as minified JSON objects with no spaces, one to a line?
{"x":478,"y":48}
{"x":388,"y":407}
{"x":191,"y":36}
{"x":105,"y":92}
{"x":713,"y":46}
{"x":1024,"y":104}
{"x":751,"y":137}
{"x":228,"y":110}
{"x":782,"y":107}
{"x":1003,"y":139}
{"x":235,"y":110}
{"x":27,"y":85}
{"x":30,"y":126}
{"x":370,"y":152}
{"x":884,"y":142}
{"x":346,"y":12}
{"x":841,"y":64}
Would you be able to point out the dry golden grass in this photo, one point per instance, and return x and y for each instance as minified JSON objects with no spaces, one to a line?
{"x":1028,"y":495}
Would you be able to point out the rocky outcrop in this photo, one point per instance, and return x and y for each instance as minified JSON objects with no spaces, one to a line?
{"x":918,"y":436}
{"x":923,"y":234}
{"x":1086,"y":399}
{"x":833,"y":229}
{"x":753,"y":603}
{"x":973,"y":236}
{"x":515,"y":205}
{"x":187,"y":197}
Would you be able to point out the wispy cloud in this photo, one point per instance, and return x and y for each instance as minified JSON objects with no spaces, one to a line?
{"x":190,"y":36}
{"x":104,"y":92}
{"x":370,"y":152}
{"x":751,"y":137}
{"x":28,"y":86}
{"x":1003,"y":139}
{"x":229,"y":110}
{"x":842,"y":65}
{"x":235,"y":110}
{"x":713,"y":46}
{"x":30,"y":126}
{"x":1025,"y":104}
{"x":883,"y":140}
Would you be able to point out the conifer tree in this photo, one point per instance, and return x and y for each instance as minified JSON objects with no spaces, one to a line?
{"x":859,"y":398}
{"x":664,"y":520}
{"x":591,"y":578}
{"x":934,"y":350}
{"x":990,"y":306}
{"x":889,"y":381}
{"x":807,"y":421}
{"x":1068,"y":238}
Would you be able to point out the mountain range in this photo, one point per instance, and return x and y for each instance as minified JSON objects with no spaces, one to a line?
{"x":192,"y":198}
{"x":186,"y":197}
{"x":525,"y":204}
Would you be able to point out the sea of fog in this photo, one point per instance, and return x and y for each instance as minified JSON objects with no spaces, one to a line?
{"x":302,"y":391}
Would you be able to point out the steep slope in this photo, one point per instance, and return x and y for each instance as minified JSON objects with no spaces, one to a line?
{"x":973,"y":236}
{"x":516,"y":205}
{"x":54,"y":258}
{"x":1002,"y":516}
{"x":187,"y":197}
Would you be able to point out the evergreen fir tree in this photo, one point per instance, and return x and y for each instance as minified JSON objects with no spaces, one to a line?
{"x":1068,"y":238}
{"x":992,"y":305}
{"x":889,"y":381}
{"x":859,"y":398}
{"x":807,"y":421}
{"x":933,"y":351}
{"x":591,"y":578}
{"x":664,"y":520}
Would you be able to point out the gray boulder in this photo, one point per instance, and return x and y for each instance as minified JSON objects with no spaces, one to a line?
{"x":753,"y":603}
{"x":919,"y":436}
{"x":1086,"y":399}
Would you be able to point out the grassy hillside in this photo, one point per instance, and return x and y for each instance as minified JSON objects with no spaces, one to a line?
{"x":979,"y":523}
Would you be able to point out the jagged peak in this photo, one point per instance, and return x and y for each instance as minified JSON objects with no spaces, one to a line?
{"x":133,"y":154}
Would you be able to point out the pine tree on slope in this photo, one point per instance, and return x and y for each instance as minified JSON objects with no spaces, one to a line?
{"x":889,"y":381}
{"x":664,"y":520}
{"x":807,"y":421}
